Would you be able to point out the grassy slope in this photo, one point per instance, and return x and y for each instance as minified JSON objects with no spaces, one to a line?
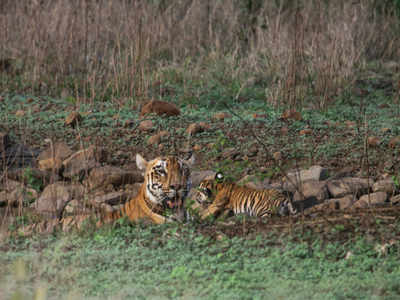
{"x":168,"y":261}
{"x":331,"y":143}
{"x":178,"y":261}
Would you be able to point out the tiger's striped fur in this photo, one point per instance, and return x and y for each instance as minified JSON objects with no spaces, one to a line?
{"x":218,"y":197}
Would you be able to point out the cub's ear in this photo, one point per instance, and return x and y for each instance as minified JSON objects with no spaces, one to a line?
{"x":219,"y":177}
{"x":141,"y":162}
{"x":190,"y":162}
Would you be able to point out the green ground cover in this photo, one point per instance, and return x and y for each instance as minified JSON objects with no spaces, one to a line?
{"x":181,"y":261}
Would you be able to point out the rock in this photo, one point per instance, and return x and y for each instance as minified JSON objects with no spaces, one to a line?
{"x":108,"y":208}
{"x":221,"y":116}
{"x":154,"y":140}
{"x":391,"y":65}
{"x":291,"y":114}
{"x":17,"y":155}
{"x":25,"y":175}
{"x":373,"y":141}
{"x":10,"y":185}
{"x":373,"y":199}
{"x":16,"y":193}
{"x":312,"y":189}
{"x":344,"y":172}
{"x":198,"y":176}
{"x":277,"y":155}
{"x":350,"y":124}
{"x":113,"y":198}
{"x":4,"y":141}
{"x":313,"y":173}
{"x":306,"y":131}
{"x":260,"y":116}
{"x":65,"y":93}
{"x":20,"y":113}
{"x":59,"y":150}
{"x":163,"y":133}
{"x":133,"y":189}
{"x":50,"y":164}
{"x":284,"y":130}
{"x":395,"y":200}
{"x":314,"y":192}
{"x":204,"y":125}
{"x":44,"y":227}
{"x":197,"y":147}
{"x":251,"y":181}
{"x":73,"y":119}
{"x":285,"y":186}
{"x":4,"y":198}
{"x":146,"y":125}
{"x":117,"y":207}
{"x":348,"y":185}
{"x":386,"y":185}
{"x":7,"y":64}
{"x":20,"y":195}
{"x":394,"y":142}
{"x":82,"y":161}
{"x":322,"y":207}
{"x":56,"y":196}
{"x":103,"y":176}
{"x":331,"y":204}
{"x":344,"y":202}
{"x":76,"y":207}
{"x":231,"y":153}
{"x":161,"y":108}
{"x":252,"y":150}
{"x":194,"y":128}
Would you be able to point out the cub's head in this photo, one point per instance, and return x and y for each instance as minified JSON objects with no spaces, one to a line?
{"x":206,"y":191}
{"x":167,"y":179}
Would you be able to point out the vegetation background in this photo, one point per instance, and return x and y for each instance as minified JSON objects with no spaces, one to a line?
{"x":300,"y":51}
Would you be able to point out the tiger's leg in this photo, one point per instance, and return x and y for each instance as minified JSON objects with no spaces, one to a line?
{"x":218,"y":204}
{"x":156,"y":218}
{"x":211,"y":210}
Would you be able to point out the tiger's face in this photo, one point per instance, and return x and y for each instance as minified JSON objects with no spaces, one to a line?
{"x":204,"y":192}
{"x":167,"y":179}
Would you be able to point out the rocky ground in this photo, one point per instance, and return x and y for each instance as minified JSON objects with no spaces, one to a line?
{"x":55,"y":180}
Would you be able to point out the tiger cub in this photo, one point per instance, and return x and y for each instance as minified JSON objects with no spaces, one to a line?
{"x":217,"y":196}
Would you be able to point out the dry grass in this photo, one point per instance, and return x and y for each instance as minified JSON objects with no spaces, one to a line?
{"x":115,"y":49}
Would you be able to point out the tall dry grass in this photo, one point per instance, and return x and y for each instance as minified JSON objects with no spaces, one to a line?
{"x":114,"y":49}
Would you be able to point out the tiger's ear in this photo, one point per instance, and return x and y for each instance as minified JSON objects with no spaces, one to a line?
{"x":190,"y":162}
{"x":141,"y":162}
{"x":219,"y":177}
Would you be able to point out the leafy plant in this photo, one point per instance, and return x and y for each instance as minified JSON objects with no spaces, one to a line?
{"x":31,"y":180}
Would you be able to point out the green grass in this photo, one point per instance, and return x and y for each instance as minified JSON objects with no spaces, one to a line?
{"x":160,"y":262}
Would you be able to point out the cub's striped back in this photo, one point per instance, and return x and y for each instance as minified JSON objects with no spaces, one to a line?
{"x":219,"y":196}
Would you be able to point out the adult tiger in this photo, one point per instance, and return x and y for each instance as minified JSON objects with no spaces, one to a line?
{"x":217,"y":196}
{"x":166,"y":184}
